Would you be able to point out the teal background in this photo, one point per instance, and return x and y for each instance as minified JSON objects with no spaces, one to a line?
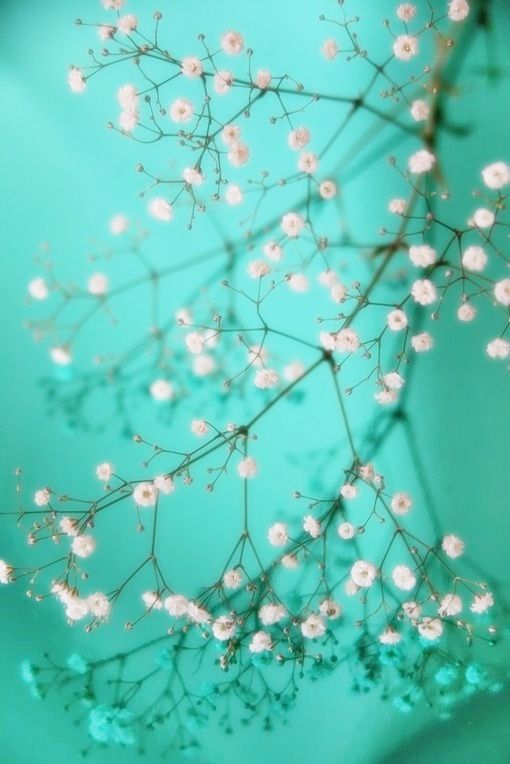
{"x":63,"y":176}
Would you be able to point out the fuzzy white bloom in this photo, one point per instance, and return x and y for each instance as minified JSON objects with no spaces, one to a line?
{"x":128,"y":120}
{"x":76,"y":608}
{"x":363,"y":573}
{"x":405,"y":47}
{"x":127,"y":97}
{"x":38,"y":289}
{"x":247,"y":468}
{"x":42,"y":497}
{"x":191,"y":67}
{"x":127,"y":24}
{"x":498,"y":348}
{"x":152,"y":600}
{"x":278,"y":534}
{"x":231,"y":134}
{"x":347,"y":341}
{"x":194,"y":342}
{"x":233,"y":195}
{"x":192,"y":176}
{"x":105,"y":32}
{"x":6,"y":571}
{"x":482,"y":602}
{"x":98,"y":605}
{"x":232,"y":579}
{"x":203,"y":365}
{"x":397,"y":206}
{"x":466,"y":312}
{"x":308,"y":162}
{"x":421,"y":161}
{"x":160,"y":209}
{"x":104,"y":471}
{"x":271,"y":614}
{"x":424,"y":292}
{"x":161,"y":390}
{"x":83,"y":546}
{"x":403,"y":577}
{"x":401,"y":503}
{"x":292,"y":224}
{"x":312,"y":526}
{"x":338,"y":292}
{"x":420,"y":110}
{"x":386,"y":397}
{"x":257,"y":269}
{"x":422,"y":256}
{"x":330,"y":49}
{"x":411,"y":609}
{"x":181,"y":111}
{"x":299,"y":138}
{"x":176,"y":605}
{"x":496,"y":175}
{"x":164,"y":484}
{"x":458,"y":10}
{"x":197,"y":614}
{"x":346,"y":531}
{"x":390,"y":636}
{"x":474,"y":258}
{"x":199,"y":427}
{"x":397,"y":320}
{"x":263,"y":79}
{"x":482,"y":218}
{"x":406,"y":11}
{"x":273,"y":251}
{"x":76,"y":80}
{"x":239,"y":154}
{"x":290,"y":561}
{"x":422,"y":343}
{"x":260,"y":642}
{"x":450,"y":605}
{"x":97,"y":284}
{"x":453,"y":546}
{"x":298,"y":282}
{"x":393,"y":380}
{"x":348,"y":491}
{"x":232,"y":43}
{"x":118,"y":225}
{"x":502,"y":292}
{"x":293,"y":371}
{"x":69,"y":526}
{"x":313,"y":627}
{"x":266,"y":379}
{"x":223,"y":81}
{"x":328,"y":189}
{"x":330,"y":609}
{"x":145,"y":494}
{"x":430,"y":628}
{"x":61,"y":355}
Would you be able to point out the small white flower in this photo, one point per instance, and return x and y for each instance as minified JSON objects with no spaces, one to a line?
{"x":278,"y":534}
{"x":405,"y":47}
{"x":232,"y":43}
{"x":312,"y":526}
{"x":498,"y":348}
{"x":38,"y":289}
{"x":271,"y":614}
{"x":6,"y":572}
{"x":397,"y":320}
{"x":482,"y":602}
{"x":260,"y":642}
{"x":401,"y":503}
{"x":161,"y":390}
{"x":453,"y":546}
{"x":42,"y":497}
{"x":330,"y":49}
{"x":292,"y":224}
{"x":496,"y":175}
{"x":422,"y":343}
{"x":181,"y":111}
{"x":474,"y":258}
{"x":266,"y":379}
{"x":152,"y":601}
{"x":422,"y":256}
{"x":232,"y":579}
{"x":390,"y":636}
{"x":363,"y":573}
{"x":430,"y":628}
{"x":403,"y":577}
{"x":247,"y":468}
{"x":176,"y":605}
{"x":451,"y":604}
{"x":164,"y":484}
{"x":502,"y":292}
{"x":424,"y":292}
{"x":104,"y":471}
{"x":330,"y":609}
{"x":346,"y":531}
{"x":145,"y":494}
{"x":313,"y":627}
{"x":83,"y":546}
{"x":199,"y":427}
{"x":421,"y":161}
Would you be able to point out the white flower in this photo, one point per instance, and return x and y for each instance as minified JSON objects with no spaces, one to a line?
{"x":232,"y":43}
{"x":203,"y":365}
{"x":290,"y":561}
{"x":328,"y":189}
{"x":483,"y":218}
{"x":233,"y":195}
{"x":329,"y":49}
{"x":422,"y":256}
{"x":308,"y":162}
{"x":257,"y":269}
{"x":223,"y":81}
{"x":181,"y":111}
{"x":191,"y":66}
{"x":292,"y":224}
{"x":273,"y":251}
{"x":422,"y":343}
{"x":38,"y":289}
{"x":351,"y":588}
{"x":390,"y":637}
{"x":482,"y":602}
{"x":452,"y":546}
{"x":127,"y":97}
{"x":239,"y":154}
{"x":451,"y":604}
{"x":502,"y":292}
{"x":61,"y":355}
{"x":194,"y":342}
{"x":420,"y":110}
{"x":192,"y":176}
{"x":76,"y":608}
{"x":393,"y":380}
{"x":313,"y":627}
{"x":299,"y":138}
{"x":98,"y":605}
{"x":312,"y":526}
{"x":397,"y":206}
{"x":403,"y":577}
{"x":458,"y":10}
{"x":496,"y":175}
{"x":386,"y":397}
{"x":199,"y":427}
{"x":397,"y":320}
{"x":152,"y":601}
{"x":266,"y":378}
{"x":424,"y":292}
{"x":119,"y":224}
{"x":6,"y":571}
{"x":161,"y":390}
{"x":160,"y":209}
{"x":474,"y":258}
{"x":164,"y":484}
{"x":421,"y":161}
{"x":466,"y":312}
{"x":346,"y":531}
{"x":83,"y":546}
{"x":405,"y":47}
{"x":293,"y":370}
{"x":430,"y":628}
{"x":298,"y":282}
{"x":401,"y":503}
{"x":406,"y":11}
{"x":247,"y":467}
{"x":348,"y":491}
{"x":363,"y":573}
{"x":42,"y":497}
{"x":145,"y":494}
{"x":197,"y":614}
{"x":176,"y":605}
{"x":127,"y":24}
{"x":232,"y":579}
{"x":271,"y":614}
{"x":345,"y":340}
{"x":411,"y":609}
{"x":330,"y":609}
{"x":260,"y":642}
{"x":104,"y":471}
{"x":498,"y":348}
{"x":263,"y":79}
{"x":278,"y":534}
{"x":76,"y":80}
{"x":69,"y":526}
